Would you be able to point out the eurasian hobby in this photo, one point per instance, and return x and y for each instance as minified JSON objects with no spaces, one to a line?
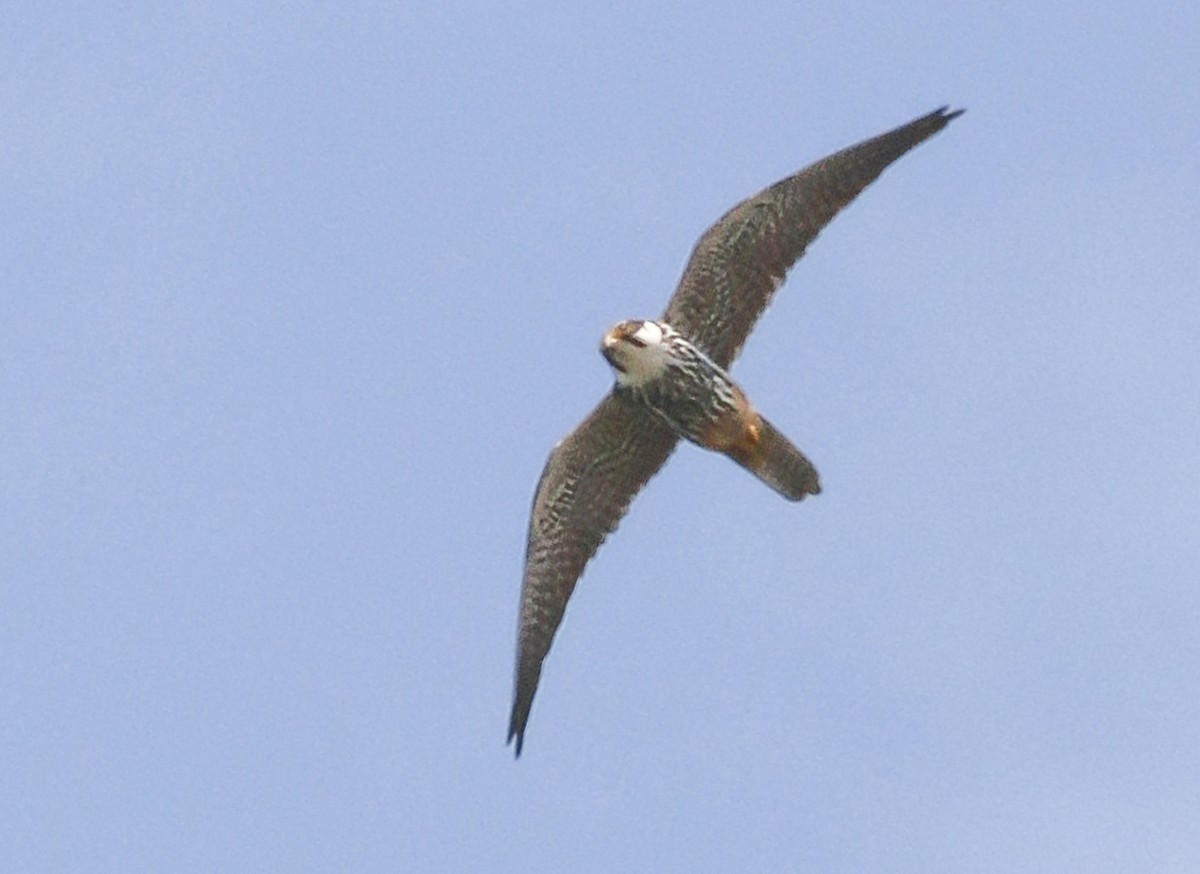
{"x":672,"y":381}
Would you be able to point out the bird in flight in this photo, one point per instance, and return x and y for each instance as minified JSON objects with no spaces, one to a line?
{"x":672,"y":381}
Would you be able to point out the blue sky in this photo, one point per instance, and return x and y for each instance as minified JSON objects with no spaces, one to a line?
{"x":299,"y":298}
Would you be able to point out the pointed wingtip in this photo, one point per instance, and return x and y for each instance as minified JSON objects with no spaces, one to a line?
{"x":520,"y":738}
{"x":516,"y":723}
{"x":526,"y":688}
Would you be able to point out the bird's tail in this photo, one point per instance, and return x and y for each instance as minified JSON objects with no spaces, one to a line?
{"x":772,"y":458}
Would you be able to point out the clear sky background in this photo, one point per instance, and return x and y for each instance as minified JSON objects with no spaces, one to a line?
{"x":296,"y":300}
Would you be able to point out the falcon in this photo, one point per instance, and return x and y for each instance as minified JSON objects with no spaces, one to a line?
{"x":672,"y":382}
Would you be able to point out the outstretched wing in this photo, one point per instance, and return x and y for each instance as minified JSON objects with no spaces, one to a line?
{"x":741,"y":260}
{"x":589,"y":481}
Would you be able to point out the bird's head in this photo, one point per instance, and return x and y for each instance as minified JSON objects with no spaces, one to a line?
{"x":637,"y":350}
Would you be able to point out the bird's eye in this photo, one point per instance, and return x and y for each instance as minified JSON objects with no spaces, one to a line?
{"x":636,"y":341}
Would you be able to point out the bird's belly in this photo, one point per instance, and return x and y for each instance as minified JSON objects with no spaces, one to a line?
{"x":713,"y":413}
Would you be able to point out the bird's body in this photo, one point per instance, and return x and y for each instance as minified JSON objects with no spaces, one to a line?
{"x":657,"y":367}
{"x":672,"y":382}
{"x":699,"y":401}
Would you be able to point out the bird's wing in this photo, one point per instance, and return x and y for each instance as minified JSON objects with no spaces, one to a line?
{"x":742,"y":259}
{"x":589,"y":481}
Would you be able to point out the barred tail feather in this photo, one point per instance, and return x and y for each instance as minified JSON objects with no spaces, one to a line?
{"x":773,"y":459}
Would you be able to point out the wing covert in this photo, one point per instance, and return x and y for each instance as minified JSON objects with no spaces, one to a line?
{"x":589,"y":480}
{"x":740,"y":261}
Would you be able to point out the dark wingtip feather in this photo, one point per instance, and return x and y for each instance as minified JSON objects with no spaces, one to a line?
{"x":518,"y":720}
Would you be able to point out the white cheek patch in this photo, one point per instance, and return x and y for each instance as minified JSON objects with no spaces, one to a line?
{"x":649,"y":333}
{"x":644,"y":364}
